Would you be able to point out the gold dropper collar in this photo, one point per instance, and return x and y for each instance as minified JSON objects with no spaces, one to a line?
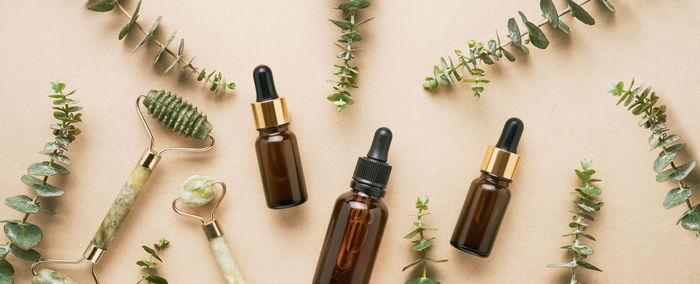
{"x":270,"y":113}
{"x":500,"y":163}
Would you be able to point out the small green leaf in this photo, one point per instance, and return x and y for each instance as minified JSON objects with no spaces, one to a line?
{"x":6,"y":279}
{"x":59,"y":169}
{"x":676,"y":197}
{"x":6,"y":269}
{"x":582,"y":249}
{"x":29,"y":254}
{"x":22,"y":203}
{"x":421,"y":245}
{"x":508,"y":55}
{"x":24,"y":235}
{"x":47,"y":190}
{"x":351,"y":37}
{"x":564,"y":27}
{"x":536,"y":35}
{"x":41,"y":169}
{"x":155,"y":279}
{"x":587,"y":265}
{"x":563,"y":264}
{"x":682,"y":172}
{"x":354,"y":4}
{"x":665,"y":175}
{"x":152,"y":253}
{"x":607,"y":4}
{"x":421,"y":280}
{"x":590,"y":190}
{"x":60,"y":158}
{"x":30,"y":180}
{"x":134,"y":16}
{"x":149,"y":34}
{"x":4,"y":249}
{"x":417,"y":261}
{"x":165,"y":46}
{"x":663,"y":161}
{"x":103,"y":6}
{"x":345,"y":25}
{"x":145,"y":263}
{"x":412,"y":234}
{"x":579,"y":13}
{"x":675,"y":148}
{"x":175,"y":61}
{"x":549,"y":11}
{"x":514,"y":32}
{"x":691,"y":221}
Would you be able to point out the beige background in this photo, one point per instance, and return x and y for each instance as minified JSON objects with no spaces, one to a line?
{"x":439,"y":139}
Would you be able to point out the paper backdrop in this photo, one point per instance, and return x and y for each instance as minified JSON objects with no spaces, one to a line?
{"x":439,"y":138}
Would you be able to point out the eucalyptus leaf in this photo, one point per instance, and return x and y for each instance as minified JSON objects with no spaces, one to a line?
{"x":607,"y":4}
{"x":41,"y":169}
{"x":165,"y":46}
{"x":587,"y":265}
{"x":563,"y":264}
{"x":417,"y":261}
{"x":4,"y":249}
{"x":345,"y":25}
{"x":149,"y":34}
{"x":514,"y":32}
{"x":30,"y":180}
{"x":22,"y":203}
{"x":691,"y":220}
{"x":676,"y":196}
{"x":28,"y":254}
{"x":682,"y":171}
{"x":536,"y":35}
{"x":422,"y":280}
{"x":354,"y":4}
{"x":6,"y":269}
{"x":151,"y":252}
{"x":156,"y":279}
{"x":579,"y":13}
{"x":59,"y":169}
{"x":663,"y":161}
{"x":549,"y":11}
{"x":5,"y":279}
{"x":665,"y":175}
{"x":175,"y":61}
{"x":102,"y":6}
{"x":675,"y":148}
{"x":60,"y":158}
{"x":421,"y":245}
{"x":24,"y":235}
{"x":132,"y":22}
{"x":47,"y":190}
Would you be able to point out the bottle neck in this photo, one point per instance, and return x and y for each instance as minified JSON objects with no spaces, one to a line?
{"x":495,"y":180}
{"x":274,"y":129}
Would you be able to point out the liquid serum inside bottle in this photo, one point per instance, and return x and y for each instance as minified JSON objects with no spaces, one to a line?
{"x":276,"y":145}
{"x":358,"y":220}
{"x":489,"y":194}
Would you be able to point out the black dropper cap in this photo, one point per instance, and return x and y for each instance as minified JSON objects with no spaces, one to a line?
{"x":372,"y":172}
{"x":510,"y":136}
{"x":264,"y":83}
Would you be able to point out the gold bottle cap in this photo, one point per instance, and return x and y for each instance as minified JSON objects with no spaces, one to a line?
{"x":270,"y":113}
{"x":500,"y":163}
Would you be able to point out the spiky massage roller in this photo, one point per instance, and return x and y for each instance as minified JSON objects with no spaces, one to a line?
{"x":180,"y":117}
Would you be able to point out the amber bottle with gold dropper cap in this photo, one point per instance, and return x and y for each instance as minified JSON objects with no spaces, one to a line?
{"x":489,"y":195}
{"x":276,"y":146}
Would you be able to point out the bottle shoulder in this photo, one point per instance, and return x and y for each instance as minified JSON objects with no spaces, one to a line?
{"x":352,"y":199}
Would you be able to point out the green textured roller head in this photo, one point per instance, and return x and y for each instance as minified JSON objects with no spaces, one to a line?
{"x":177,"y":114}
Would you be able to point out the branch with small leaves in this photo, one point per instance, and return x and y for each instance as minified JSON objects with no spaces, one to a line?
{"x":422,"y":244}
{"x":215,"y":79}
{"x":24,"y":236}
{"x":642,"y":101}
{"x":479,"y":53}
{"x":586,"y":204}
{"x":347,"y":74}
{"x":150,"y":264}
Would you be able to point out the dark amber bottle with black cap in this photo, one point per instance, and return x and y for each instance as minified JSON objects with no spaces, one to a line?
{"x":276,"y":146}
{"x":358,"y":220}
{"x":489,"y":195}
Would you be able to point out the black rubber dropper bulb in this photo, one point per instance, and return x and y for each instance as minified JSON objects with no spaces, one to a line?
{"x":380,"y":145}
{"x":510,"y":136}
{"x":264,"y":84}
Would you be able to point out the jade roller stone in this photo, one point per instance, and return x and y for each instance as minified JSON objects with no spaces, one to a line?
{"x":198,"y":191}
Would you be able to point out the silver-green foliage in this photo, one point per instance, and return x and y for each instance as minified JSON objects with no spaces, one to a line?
{"x":24,"y":236}
{"x":422,"y":244}
{"x":217,"y":81}
{"x":587,"y":203}
{"x":642,"y":101}
{"x":347,"y":74}
{"x":479,"y":53}
{"x":150,"y":264}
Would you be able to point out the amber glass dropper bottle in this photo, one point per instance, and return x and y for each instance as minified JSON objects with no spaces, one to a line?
{"x":276,"y":146}
{"x":489,"y":195}
{"x":358,"y":220}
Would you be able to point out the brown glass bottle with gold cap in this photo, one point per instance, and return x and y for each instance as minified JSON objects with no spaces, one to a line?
{"x":276,"y":146}
{"x":489,"y":195}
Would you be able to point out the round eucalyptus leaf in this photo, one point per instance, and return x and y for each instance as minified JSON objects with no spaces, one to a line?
{"x":41,"y":169}
{"x":47,"y":190}
{"x":29,"y":254}
{"x":22,"y":203}
{"x":676,"y":197}
{"x":6,"y":268}
{"x":25,"y":235}
{"x":691,"y":221}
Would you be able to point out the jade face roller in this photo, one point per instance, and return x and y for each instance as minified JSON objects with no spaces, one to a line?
{"x":173,"y":112}
{"x":198,"y":191}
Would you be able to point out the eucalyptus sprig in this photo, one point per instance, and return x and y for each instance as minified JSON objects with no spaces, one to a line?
{"x":215,"y":79}
{"x":479,"y":53}
{"x":587,"y":203}
{"x":24,"y":236}
{"x":422,"y":244}
{"x":642,"y":101}
{"x":150,"y":264}
{"x":347,"y":74}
